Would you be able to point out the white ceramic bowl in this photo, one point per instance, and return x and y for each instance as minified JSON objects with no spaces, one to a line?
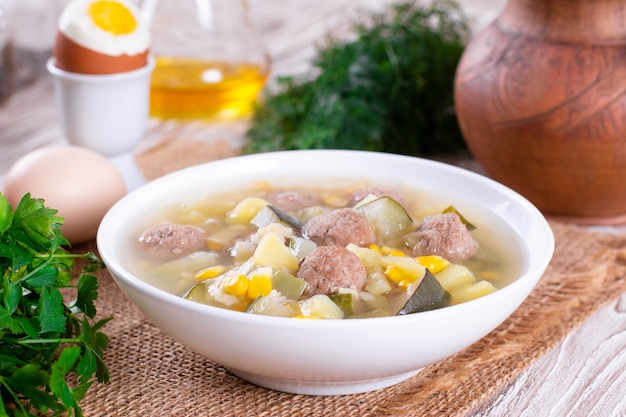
{"x":328,"y":357}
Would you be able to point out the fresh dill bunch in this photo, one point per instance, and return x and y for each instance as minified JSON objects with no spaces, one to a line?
{"x":390,"y":89}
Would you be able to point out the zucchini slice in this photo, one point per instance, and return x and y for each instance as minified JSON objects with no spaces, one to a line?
{"x":288,"y":285}
{"x":387,"y":216}
{"x":429,"y":295}
{"x":270,"y":214}
{"x":344,"y":301}
{"x":452,"y":209}
{"x":197,"y":292}
{"x":286,"y":218}
{"x":372,"y":312}
{"x":268,"y":305}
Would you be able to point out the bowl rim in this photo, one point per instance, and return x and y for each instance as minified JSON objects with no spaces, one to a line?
{"x":526,"y":281}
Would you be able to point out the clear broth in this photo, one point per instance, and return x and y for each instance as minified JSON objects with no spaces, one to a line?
{"x":498,"y":260}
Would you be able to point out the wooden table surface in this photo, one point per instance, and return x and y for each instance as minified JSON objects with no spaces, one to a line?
{"x":584,"y":376}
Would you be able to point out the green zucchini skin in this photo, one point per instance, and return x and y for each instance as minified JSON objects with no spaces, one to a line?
{"x":429,"y":295}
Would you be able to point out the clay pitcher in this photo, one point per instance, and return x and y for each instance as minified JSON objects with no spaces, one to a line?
{"x":540,"y":96}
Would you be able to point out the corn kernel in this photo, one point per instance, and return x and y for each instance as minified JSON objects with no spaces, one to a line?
{"x":394,"y":274}
{"x":263,"y":186}
{"x":490,"y":275}
{"x":335,"y":200}
{"x":259,"y":285}
{"x":210,"y":272}
{"x":236,"y":285}
{"x":213,"y":244}
{"x":388,"y":251}
{"x":434,"y":263}
{"x":406,"y":283}
{"x":375,"y":248}
{"x":300,"y":316}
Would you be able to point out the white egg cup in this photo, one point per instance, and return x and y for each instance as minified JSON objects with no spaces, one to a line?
{"x":106,"y":113}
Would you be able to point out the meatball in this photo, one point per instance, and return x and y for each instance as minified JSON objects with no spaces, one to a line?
{"x":329,"y":268}
{"x":340,"y":227}
{"x":169,"y":241}
{"x":444,"y":235}
{"x":290,"y":201}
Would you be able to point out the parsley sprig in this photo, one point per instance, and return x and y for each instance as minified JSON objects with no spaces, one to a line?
{"x":51,"y":350}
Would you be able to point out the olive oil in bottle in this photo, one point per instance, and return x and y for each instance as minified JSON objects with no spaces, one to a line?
{"x":210,"y":62}
{"x":198,"y":89}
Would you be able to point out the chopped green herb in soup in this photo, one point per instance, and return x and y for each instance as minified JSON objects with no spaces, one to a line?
{"x":327,"y":253}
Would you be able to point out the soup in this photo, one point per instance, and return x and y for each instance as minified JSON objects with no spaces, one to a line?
{"x":349,"y":250}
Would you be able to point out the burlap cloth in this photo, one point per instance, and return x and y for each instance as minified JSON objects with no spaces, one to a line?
{"x":151,"y":375}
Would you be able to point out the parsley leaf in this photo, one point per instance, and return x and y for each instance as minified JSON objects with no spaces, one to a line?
{"x":52,"y":311}
{"x":51,"y":351}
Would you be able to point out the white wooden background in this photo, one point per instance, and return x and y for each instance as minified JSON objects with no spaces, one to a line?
{"x":584,"y":376}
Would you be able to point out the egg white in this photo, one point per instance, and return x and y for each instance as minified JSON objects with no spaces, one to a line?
{"x":77,"y":25}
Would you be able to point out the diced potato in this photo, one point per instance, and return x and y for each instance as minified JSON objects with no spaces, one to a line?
{"x":455,"y":276}
{"x":246,"y":209}
{"x":271,"y":251}
{"x":321,"y":306}
{"x":472,"y":291}
{"x":301,"y":247}
{"x":377,"y":283}
{"x":369,"y":257}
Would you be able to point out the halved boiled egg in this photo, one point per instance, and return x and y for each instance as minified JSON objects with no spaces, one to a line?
{"x":101,"y":37}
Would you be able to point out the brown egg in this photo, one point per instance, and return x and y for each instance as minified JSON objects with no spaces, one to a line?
{"x":81,"y":184}
{"x":99,"y":37}
{"x":72,"y":57}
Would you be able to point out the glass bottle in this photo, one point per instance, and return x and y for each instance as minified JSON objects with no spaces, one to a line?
{"x":210,"y":63}
{"x":7,"y":80}
{"x":33,"y":26}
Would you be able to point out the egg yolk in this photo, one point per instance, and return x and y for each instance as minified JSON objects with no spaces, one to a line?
{"x":112,"y":17}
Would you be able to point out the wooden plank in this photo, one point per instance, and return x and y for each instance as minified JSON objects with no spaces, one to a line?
{"x":583,"y":377}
